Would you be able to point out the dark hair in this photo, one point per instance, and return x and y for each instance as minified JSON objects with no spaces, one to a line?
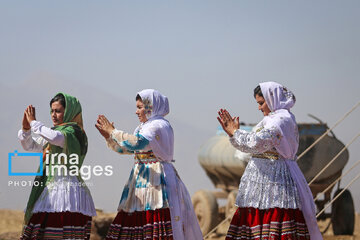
{"x":138,"y":97}
{"x":257,"y":91}
{"x":58,"y":98}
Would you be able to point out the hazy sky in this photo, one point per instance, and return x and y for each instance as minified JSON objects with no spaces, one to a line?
{"x":202,"y":54}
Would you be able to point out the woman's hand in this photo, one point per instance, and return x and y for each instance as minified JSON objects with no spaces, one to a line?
{"x":30,"y":114}
{"x":228,"y":123}
{"x":104,"y":126}
{"x":25,"y":123}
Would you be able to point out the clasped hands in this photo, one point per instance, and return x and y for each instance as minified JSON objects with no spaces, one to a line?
{"x":228,"y":123}
{"x":29,"y":116}
{"x":104,"y":126}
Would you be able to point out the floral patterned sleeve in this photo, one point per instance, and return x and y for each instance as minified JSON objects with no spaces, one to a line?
{"x":125,"y":143}
{"x":256,"y":142}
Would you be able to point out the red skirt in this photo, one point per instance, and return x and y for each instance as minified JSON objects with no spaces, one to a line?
{"x":59,"y":225}
{"x":274,"y":223}
{"x":152,"y":224}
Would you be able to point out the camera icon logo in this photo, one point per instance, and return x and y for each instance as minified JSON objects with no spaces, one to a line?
{"x":17,"y":156}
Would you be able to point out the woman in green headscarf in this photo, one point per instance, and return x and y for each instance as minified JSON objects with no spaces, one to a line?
{"x":60,"y":205}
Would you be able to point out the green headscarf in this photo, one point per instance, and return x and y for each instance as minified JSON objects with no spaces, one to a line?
{"x":75,"y":142}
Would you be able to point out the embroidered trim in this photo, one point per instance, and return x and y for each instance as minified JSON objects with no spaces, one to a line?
{"x":144,"y":155}
{"x":267,"y":155}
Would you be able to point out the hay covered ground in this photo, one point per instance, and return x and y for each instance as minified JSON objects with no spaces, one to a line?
{"x":11,"y":224}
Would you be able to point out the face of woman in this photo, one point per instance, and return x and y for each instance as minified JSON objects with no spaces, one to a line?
{"x":262,"y":105}
{"x":140,"y":111}
{"x":57,"y":113}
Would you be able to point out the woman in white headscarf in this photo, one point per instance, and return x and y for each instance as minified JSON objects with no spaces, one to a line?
{"x":155,"y":203}
{"x":274,"y":200}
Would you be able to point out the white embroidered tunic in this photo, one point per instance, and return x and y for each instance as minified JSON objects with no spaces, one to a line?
{"x":266,"y":183}
{"x":270,"y":183}
{"x":65,"y":193}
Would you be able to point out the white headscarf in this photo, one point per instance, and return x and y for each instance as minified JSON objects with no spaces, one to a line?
{"x":277,"y":96}
{"x":155,"y":103}
{"x":157,"y":130}
{"x":279,"y":101}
